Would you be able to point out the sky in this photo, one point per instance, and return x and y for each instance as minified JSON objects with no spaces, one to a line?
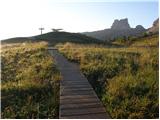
{"x":20,"y":18}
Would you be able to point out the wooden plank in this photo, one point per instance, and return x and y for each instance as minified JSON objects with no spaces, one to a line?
{"x":82,"y":105}
{"x":66,"y":71}
{"x":77,"y":93}
{"x":77,"y":89}
{"x":75,"y":76}
{"x":77,"y":96}
{"x":74,"y":81}
{"x":75,"y":85}
{"x":72,"y":77}
{"x":84,"y":111}
{"x":52,"y":48}
{"x":72,"y":87}
{"x":78,"y":101}
{"x":88,"y":116}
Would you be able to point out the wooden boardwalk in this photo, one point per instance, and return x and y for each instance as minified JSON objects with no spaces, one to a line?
{"x":77,"y":97}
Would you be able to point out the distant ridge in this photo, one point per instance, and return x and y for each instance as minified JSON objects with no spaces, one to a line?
{"x":119,"y":28}
{"x":54,"y":37}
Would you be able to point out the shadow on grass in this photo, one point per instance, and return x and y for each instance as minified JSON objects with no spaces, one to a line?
{"x":33,"y":102}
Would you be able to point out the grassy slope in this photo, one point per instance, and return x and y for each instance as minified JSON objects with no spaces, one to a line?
{"x":29,"y":84}
{"x":147,"y":41}
{"x":151,"y":41}
{"x":125,"y":79}
{"x":56,"y":37}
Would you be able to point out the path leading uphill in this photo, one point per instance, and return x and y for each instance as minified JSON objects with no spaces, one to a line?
{"x":77,"y":97}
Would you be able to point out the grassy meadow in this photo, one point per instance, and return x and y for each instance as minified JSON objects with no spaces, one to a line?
{"x":125,"y":78}
{"x":29,"y":82}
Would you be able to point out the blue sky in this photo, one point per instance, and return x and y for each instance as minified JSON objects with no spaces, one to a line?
{"x":24,"y":17}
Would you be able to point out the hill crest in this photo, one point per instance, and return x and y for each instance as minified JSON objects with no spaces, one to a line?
{"x":54,"y":37}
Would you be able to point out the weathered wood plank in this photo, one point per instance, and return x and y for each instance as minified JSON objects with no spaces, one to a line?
{"x":78,"y":101}
{"x":88,"y":116}
{"x":77,"y":89}
{"x":82,"y":105}
{"x":77,"y":96}
{"x":74,"y":81}
{"x":77,"y":93}
{"x":75,"y":85}
{"x":84,"y":111}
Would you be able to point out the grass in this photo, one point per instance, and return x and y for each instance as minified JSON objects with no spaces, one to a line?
{"x":124,"y":78}
{"x":144,"y":41}
{"x":29,"y":82}
{"x":150,"y":41}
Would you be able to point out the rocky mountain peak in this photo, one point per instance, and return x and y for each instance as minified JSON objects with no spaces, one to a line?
{"x":118,"y":29}
{"x":140,"y":27}
{"x":120,"y":24}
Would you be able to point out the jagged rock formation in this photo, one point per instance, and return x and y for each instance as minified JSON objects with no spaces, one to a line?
{"x":120,"y":24}
{"x":139,"y":27}
{"x":155,"y":28}
{"x":119,"y":28}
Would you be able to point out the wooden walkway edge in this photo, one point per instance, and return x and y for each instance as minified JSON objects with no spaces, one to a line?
{"x":77,"y":97}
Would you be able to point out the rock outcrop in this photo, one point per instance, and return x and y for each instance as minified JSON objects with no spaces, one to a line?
{"x":155,"y":28}
{"x":120,"y":24}
{"x":119,"y":28}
